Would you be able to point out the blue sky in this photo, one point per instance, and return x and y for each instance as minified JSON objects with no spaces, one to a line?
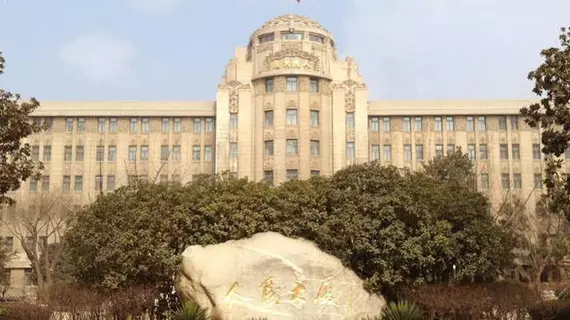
{"x":177,"y":49}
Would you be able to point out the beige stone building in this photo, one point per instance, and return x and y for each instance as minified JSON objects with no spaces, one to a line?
{"x":287,"y":108}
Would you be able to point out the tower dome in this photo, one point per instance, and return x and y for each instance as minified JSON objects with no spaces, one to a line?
{"x":291,"y":22}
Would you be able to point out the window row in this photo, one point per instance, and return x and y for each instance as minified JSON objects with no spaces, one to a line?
{"x":291,"y":174}
{"x":288,"y":35}
{"x":292,"y":85}
{"x":291,"y":116}
{"x":441,"y":123}
{"x":167,"y":125}
{"x":30,"y":242}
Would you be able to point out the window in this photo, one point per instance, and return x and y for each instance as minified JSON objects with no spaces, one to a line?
{"x":133,"y":125}
{"x":484,"y":181}
{"x":165,"y":127}
{"x":178,"y":124}
{"x":66,"y":184}
{"x":386,"y":124}
{"x":315,"y":173}
{"x":407,"y":152}
{"x":502,"y":122}
{"x":78,"y":187}
{"x":9,"y":242}
{"x":113,"y":125}
{"x":209,"y":125}
{"x":110,"y":183}
{"x":291,"y":36}
{"x":470,"y":124}
{"x":233,"y":120}
{"x":176,"y":156}
{"x":516,"y":151}
{"x":266,"y":38}
{"x":292,"y":146}
{"x":35,"y":153}
{"x":350,"y":151}
{"x":101,"y":125}
{"x":144,"y":153}
{"x":483,"y":154}
{"x":292,"y":174}
{"x":418,"y":124}
{"x":268,"y":118}
{"x":163,"y":178}
{"x":197,"y":125}
{"x":407,"y":124}
{"x":450,"y":148}
{"x":196,"y":150}
{"x":233,"y":150}
{"x":439,"y":150}
{"x":419,"y":152}
{"x":268,"y":176}
{"x":505,"y":181}
{"x":315,"y":147}
{"x":45,"y":183}
{"x":314,"y":118}
{"x":482,"y":123}
{"x":536,"y":153}
{"x":47,"y":153}
{"x":375,"y":152}
{"x":387,"y":152}
{"x":504,"y":151}
{"x":144,"y":125}
{"x":471,"y":151}
{"x":132,"y":153}
{"x":164,"y":152}
{"x":316,"y":38}
{"x":98,"y":182}
{"x":207,"y":153}
{"x":538,"y":181}
{"x":268,"y":85}
{"x":49,"y":124}
{"x":450,"y":124}
{"x":100,"y":155}
{"x":314,"y":85}
{"x":28,"y":277}
{"x":33,"y":185}
{"x":112,"y":153}
{"x":291,"y":84}
{"x":514,"y":123}
{"x":350,"y":120}
{"x":437,"y":124}
{"x":517,"y":181}
{"x":291,"y":117}
{"x":374,"y":124}
{"x":67,"y":153}
{"x":69,"y":125}
{"x":269,"y":148}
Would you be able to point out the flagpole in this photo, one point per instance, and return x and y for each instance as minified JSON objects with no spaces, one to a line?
{"x":290,"y":14}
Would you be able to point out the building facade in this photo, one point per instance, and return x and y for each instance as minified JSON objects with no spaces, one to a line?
{"x":287,"y":108}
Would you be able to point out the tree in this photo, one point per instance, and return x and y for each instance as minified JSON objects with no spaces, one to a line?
{"x":5,"y":257}
{"x":43,"y":220}
{"x":16,"y":164}
{"x":552,"y":114}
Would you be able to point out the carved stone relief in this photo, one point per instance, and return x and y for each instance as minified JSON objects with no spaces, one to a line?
{"x":350,"y":135}
{"x":483,"y":140}
{"x":305,"y":84}
{"x":196,"y":139}
{"x":291,"y":46}
{"x":325,"y":88}
{"x":504,"y":168}
{"x":265,"y":47}
{"x":315,"y":134}
{"x":268,"y":106}
{"x":503,"y":139}
{"x":471,"y":139}
{"x":292,"y":163}
{"x":315,"y":163}
{"x":349,"y":101}
{"x":291,"y":104}
{"x":279,"y":84}
{"x":292,"y":133}
{"x":259,"y":88}
{"x":268,"y":163}
{"x":233,"y":135}
{"x":269,"y":133}
{"x":315,"y":105}
{"x":234,"y":88}
{"x":291,"y":58}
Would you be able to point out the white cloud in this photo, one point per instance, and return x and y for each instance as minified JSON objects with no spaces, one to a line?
{"x":153,"y":7}
{"x":100,"y":59}
{"x":470,"y":49}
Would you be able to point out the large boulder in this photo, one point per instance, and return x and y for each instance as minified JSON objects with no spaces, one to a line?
{"x":273,"y":277}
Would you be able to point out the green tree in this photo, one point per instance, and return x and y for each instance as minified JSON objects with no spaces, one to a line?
{"x":16,"y":164}
{"x":552,"y":114}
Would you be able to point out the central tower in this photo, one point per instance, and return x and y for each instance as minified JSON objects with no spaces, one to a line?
{"x":287,"y":108}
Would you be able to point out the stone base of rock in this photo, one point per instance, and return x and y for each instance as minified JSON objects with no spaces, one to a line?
{"x":274,"y":277}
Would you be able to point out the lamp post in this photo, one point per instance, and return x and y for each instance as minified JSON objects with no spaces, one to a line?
{"x":454,"y":267}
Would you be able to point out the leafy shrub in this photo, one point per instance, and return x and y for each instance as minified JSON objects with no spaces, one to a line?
{"x":402,"y":310}
{"x":189,"y":310}
{"x":552,"y":310}
{"x":27,"y":311}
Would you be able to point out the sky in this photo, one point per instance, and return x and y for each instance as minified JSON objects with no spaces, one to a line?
{"x":144,"y":50}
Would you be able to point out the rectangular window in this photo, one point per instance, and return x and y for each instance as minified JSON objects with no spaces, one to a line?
{"x":66,"y":184}
{"x":291,"y":117}
{"x":482,"y":124}
{"x":233,"y":120}
{"x":484,"y":181}
{"x":28,"y":277}
{"x":113,"y":125}
{"x":69,"y":125}
{"x":165,"y":125}
{"x":80,"y":124}
{"x":516,"y":150}
{"x":100,"y":154}
{"x":314,"y":118}
{"x":315,"y":147}
{"x":79,"y":153}
{"x":504,"y":151}
{"x":209,"y":125}
{"x":33,"y":185}
{"x":505,"y":181}
{"x":502,"y":122}
{"x":197,"y":125}
{"x":437,"y":124}
{"x":178,"y":124}
{"x":9,"y":242}
{"x":176,"y":155}
{"x":132,"y":153}
{"x":536,"y":153}
{"x":144,"y":125}
{"x":387,"y":152}
{"x":439,"y":150}
{"x":164,"y":152}
{"x":375,"y":152}
{"x":292,"y":174}
{"x":266,"y":38}
{"x":386,"y":124}
{"x":350,"y":151}
{"x":196,"y":153}
{"x":291,"y":84}
{"x":269,"y":148}
{"x":67,"y":153}
{"x":133,"y":125}
{"x":419,"y":152}
{"x":207,"y":153}
{"x":483,"y":153}
{"x":110,"y":183}
{"x":292,"y":147}
{"x":78,"y":187}
{"x":350,"y":120}
{"x":538,"y":181}
{"x":407,"y":152}
{"x":112,"y":153}
{"x":314,"y":85}
{"x":49,"y":124}
{"x":450,"y":148}
{"x":470,"y":124}
{"x":517,"y":181}
{"x":268,"y":122}
{"x":291,"y":36}
{"x":98,"y":182}
{"x":35,"y":153}
{"x":374,"y":124}
{"x":471,"y":151}
{"x":514,"y":123}
{"x":450,"y":124}
{"x":316,"y":38}
{"x":268,"y":176}
{"x":407,"y":124}
{"x":144,"y":153}
{"x":418,"y":124}
{"x":101,"y":125}
{"x":233,"y":150}
{"x":268,"y":85}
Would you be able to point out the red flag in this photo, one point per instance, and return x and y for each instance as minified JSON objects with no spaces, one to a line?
{"x":298,"y":1}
